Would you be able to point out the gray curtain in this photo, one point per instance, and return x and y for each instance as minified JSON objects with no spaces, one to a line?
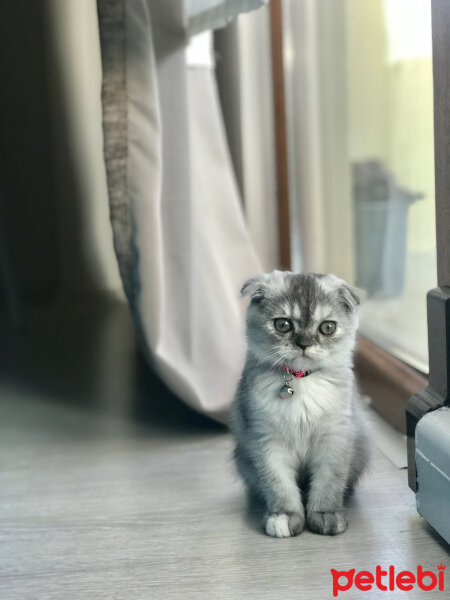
{"x":179,"y":233}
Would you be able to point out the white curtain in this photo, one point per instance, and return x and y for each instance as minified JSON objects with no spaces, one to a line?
{"x":202,"y":15}
{"x":244,"y":75}
{"x":254,"y":71}
{"x":316,"y":76}
{"x":179,"y":232}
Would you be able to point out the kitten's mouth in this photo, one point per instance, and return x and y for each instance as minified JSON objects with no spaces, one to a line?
{"x":300,"y":360}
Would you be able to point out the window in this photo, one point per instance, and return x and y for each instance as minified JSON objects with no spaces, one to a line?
{"x":360,"y":134}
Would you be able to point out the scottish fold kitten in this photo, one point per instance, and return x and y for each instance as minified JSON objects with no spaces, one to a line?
{"x":298,"y":421}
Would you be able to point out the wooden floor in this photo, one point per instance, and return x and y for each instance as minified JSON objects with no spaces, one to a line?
{"x":110,"y":489}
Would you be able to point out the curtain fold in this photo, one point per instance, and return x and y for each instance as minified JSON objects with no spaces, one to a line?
{"x":202,"y":15}
{"x":179,"y":233}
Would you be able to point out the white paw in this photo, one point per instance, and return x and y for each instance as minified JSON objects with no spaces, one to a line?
{"x":283,"y":525}
{"x":278,"y":526}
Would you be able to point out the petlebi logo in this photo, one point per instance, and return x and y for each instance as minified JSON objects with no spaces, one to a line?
{"x":388,"y":579}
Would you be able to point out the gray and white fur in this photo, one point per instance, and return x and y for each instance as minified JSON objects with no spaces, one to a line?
{"x":316,"y":440}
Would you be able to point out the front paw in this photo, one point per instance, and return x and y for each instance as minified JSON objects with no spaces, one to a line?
{"x":327,"y":523}
{"x":284,"y":524}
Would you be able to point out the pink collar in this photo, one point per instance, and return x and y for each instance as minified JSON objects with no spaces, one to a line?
{"x":296,"y":373}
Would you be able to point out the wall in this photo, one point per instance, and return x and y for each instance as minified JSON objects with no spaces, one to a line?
{"x":27,"y":202}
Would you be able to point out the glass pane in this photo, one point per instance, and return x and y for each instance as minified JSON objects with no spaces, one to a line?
{"x":390,"y":121}
{"x":360,"y":135}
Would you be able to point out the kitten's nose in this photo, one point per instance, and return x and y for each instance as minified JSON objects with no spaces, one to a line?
{"x":304,"y":346}
{"x":304,"y":342}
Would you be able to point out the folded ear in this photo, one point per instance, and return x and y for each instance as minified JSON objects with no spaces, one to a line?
{"x":349,"y":297}
{"x":263,"y":285}
{"x":254,"y":288}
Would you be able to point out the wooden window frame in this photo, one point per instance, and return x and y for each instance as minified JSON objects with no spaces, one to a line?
{"x":387,"y":380}
{"x":279,"y":119}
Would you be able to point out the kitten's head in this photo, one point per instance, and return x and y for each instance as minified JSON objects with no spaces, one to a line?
{"x":306,"y":321}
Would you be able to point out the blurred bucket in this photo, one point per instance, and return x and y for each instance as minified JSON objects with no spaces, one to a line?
{"x":381,"y":216}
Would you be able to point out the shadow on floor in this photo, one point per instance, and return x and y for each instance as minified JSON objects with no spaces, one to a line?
{"x":85,"y":353}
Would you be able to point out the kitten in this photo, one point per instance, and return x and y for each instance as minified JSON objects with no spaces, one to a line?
{"x":297,"y":414}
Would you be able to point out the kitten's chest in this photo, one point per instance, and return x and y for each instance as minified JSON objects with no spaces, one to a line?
{"x":314,"y":401}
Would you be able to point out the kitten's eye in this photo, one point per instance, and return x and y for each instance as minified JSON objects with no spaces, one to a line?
{"x":327,"y":327}
{"x":282,"y":325}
